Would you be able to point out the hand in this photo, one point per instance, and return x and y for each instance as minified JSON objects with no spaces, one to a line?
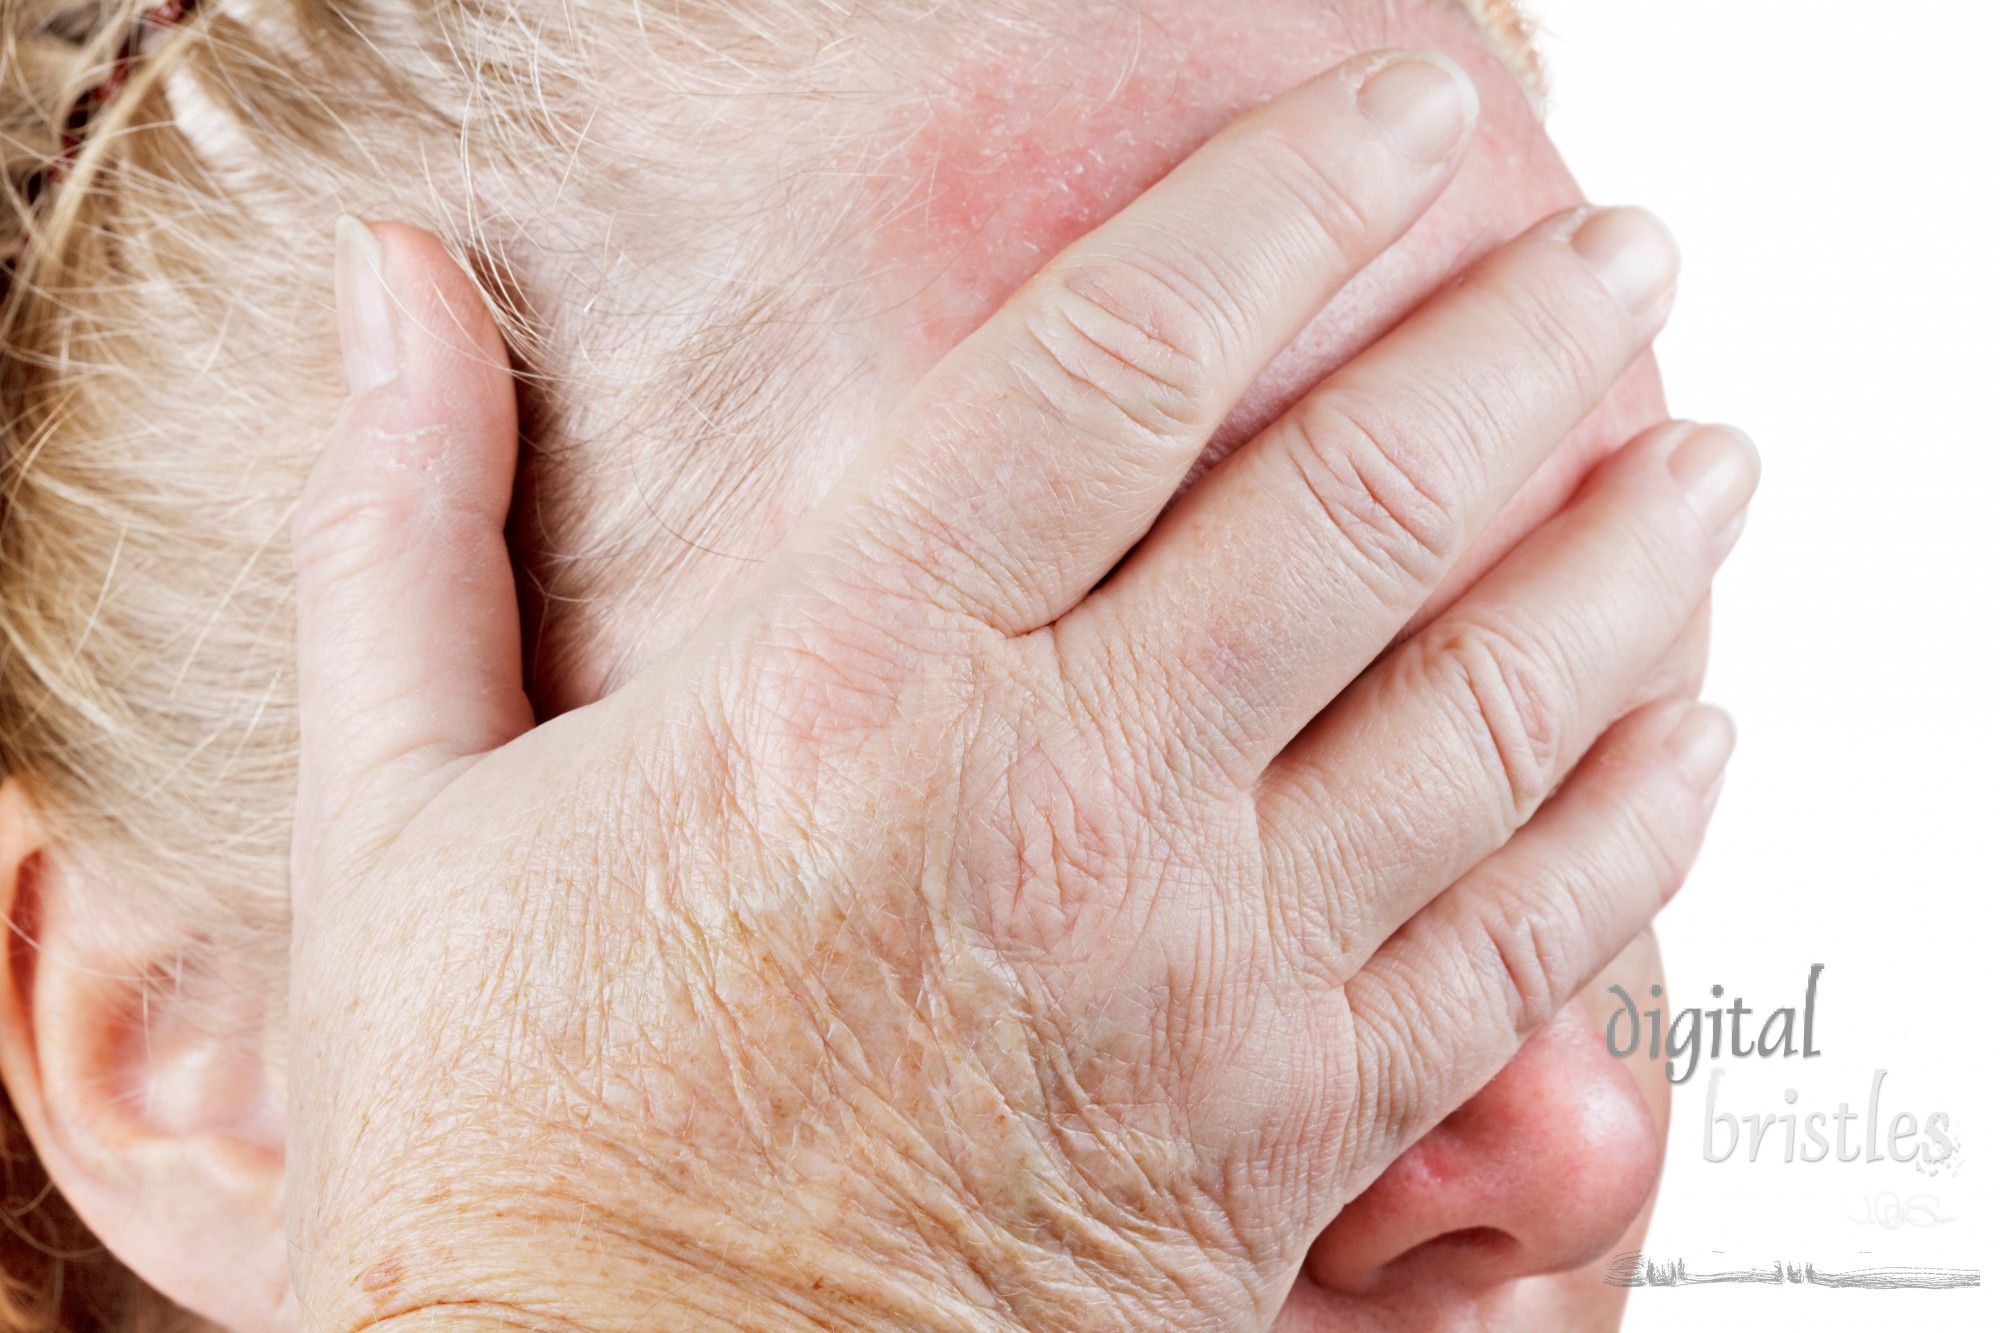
{"x":949,"y":935}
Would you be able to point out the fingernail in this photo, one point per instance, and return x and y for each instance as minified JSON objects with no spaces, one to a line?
{"x":1422,"y":104}
{"x":1700,"y":744}
{"x":367,"y":315}
{"x":1632,"y":254}
{"x":1716,"y":467}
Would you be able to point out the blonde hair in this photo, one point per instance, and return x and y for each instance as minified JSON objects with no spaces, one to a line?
{"x":167,"y":357}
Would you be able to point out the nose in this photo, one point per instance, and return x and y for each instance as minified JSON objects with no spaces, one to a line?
{"x":1542,"y":1171}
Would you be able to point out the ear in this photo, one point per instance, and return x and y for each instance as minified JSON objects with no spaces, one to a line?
{"x":150,"y":1107}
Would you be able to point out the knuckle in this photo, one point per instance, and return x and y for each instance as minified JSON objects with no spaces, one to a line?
{"x":390,"y":494}
{"x":1661,"y":830}
{"x":1134,"y":338}
{"x":1568,"y":349}
{"x":339,"y":534}
{"x":1661,"y":845}
{"x":1530,"y":952}
{"x":1397,"y":1056}
{"x":1298,"y":928}
{"x":1325,"y":187}
{"x":1315,"y":883}
{"x":1537,"y":359}
{"x":819,"y":691}
{"x":1393,"y":518}
{"x":1377,"y":1101}
{"x":905,"y":561}
{"x":1513,"y":705}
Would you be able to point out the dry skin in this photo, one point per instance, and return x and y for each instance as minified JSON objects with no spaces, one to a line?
{"x":168,"y":365}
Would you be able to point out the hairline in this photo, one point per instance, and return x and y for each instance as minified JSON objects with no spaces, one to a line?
{"x":1510,"y":33}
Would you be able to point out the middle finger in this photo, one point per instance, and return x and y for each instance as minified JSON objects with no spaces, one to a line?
{"x":1285,"y":571}
{"x":1451,"y":742}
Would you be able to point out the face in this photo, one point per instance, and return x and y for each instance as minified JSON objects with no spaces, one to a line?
{"x":1502,"y":1216}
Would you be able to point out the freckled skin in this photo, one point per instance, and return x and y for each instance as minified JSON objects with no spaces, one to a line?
{"x":1552,"y":1166}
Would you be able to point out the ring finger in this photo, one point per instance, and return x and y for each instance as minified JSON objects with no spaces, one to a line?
{"x":1370,"y":811}
{"x":1283,"y":573}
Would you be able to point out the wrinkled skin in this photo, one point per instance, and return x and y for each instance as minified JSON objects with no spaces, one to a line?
{"x":931,"y":939}
{"x":1018,"y":154}
{"x":1015,"y":151}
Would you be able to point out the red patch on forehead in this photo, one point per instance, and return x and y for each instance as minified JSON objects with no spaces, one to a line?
{"x":1011,"y":161}
{"x":1010,"y":155}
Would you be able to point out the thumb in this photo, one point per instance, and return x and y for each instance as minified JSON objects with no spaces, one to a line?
{"x":409,"y":633}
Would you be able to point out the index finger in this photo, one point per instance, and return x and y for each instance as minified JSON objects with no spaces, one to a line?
{"x":1039,"y":450}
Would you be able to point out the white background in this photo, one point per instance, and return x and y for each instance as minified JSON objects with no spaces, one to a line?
{"x":1832,"y":170}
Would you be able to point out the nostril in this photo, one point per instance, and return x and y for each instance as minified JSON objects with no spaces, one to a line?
{"x":1469,"y":1254}
{"x":1474,"y":1256}
{"x":1542,"y":1171}
{"x":1471,"y":1242}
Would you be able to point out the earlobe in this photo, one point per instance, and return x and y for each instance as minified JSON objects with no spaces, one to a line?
{"x":147,"y":1103}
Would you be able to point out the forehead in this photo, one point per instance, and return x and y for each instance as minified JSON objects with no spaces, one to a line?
{"x":1017,"y":149}
{"x":1000,"y":156}
{"x":980,"y":144}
